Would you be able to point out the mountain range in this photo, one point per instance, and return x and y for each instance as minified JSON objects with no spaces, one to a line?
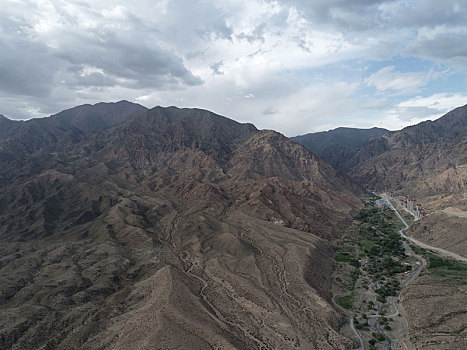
{"x":127,"y":227}
{"x":123,"y":227}
{"x":334,"y":146}
{"x":423,"y":160}
{"x":18,"y":138}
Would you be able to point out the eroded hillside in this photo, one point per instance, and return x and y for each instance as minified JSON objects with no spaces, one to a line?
{"x":177,"y":228}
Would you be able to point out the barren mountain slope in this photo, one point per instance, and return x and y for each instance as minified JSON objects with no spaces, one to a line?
{"x":418,"y":170}
{"x":445,"y":129}
{"x":428,"y":158}
{"x":436,"y":312}
{"x":334,"y":146}
{"x":177,"y":228}
{"x":73,"y":125}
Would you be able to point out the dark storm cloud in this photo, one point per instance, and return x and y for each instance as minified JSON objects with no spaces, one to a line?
{"x":450,"y":47}
{"x":25,"y":67}
{"x":361,"y":15}
{"x":127,"y":55}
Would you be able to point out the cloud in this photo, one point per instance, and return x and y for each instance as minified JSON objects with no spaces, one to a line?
{"x":44,"y":47}
{"x":338,"y":12}
{"x":190,"y":23}
{"x":257,"y":34}
{"x":386,"y":79}
{"x":415,"y":110}
{"x":394,"y":26}
{"x":269,"y":111}
{"x":380,"y":15}
{"x":25,"y":67}
{"x":295,"y":65}
{"x":437,"y":103}
{"x":217,"y":67}
{"x":443,"y":44}
{"x":423,"y":14}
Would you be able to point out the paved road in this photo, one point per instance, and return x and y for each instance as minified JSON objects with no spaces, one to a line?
{"x":440,"y":251}
{"x":404,"y":338}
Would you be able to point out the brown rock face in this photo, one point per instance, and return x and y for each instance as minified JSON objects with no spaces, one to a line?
{"x":176,"y":229}
{"x":424,"y":160}
{"x":418,"y":170}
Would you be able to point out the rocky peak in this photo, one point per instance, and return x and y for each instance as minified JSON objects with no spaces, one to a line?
{"x":158,"y":133}
{"x":67,"y":127}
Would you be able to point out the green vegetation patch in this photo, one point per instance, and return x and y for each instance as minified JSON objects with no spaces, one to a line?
{"x":408,"y":217}
{"x":444,"y":267}
{"x":378,"y":336}
{"x":374,"y":247}
{"x":344,"y":257}
{"x":345,"y":301}
{"x":347,"y":258}
{"x":366,"y":244}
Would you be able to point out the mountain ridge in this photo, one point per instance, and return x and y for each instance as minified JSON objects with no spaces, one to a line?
{"x":65,"y":128}
{"x":193,"y":225}
{"x":334,"y":145}
{"x":417,"y":157}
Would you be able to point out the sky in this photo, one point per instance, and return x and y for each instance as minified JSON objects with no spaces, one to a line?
{"x":295,"y":66}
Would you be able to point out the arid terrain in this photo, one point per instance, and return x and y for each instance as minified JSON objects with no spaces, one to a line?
{"x":233,"y":175}
{"x":175,"y":229}
{"x":436,"y":312}
{"x":427,"y":162}
{"x":123,"y":227}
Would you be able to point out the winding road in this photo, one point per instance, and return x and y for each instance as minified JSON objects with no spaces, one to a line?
{"x":440,"y":251}
{"x":362,"y":343}
{"x":352,"y":326}
{"x":403,"y":337}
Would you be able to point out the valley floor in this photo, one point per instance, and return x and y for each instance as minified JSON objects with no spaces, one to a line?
{"x":397,"y":295}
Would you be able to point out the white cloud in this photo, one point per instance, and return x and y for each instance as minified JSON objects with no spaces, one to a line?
{"x":416,"y":110}
{"x":269,"y":62}
{"x":402,"y":83}
{"x":439,"y":103}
